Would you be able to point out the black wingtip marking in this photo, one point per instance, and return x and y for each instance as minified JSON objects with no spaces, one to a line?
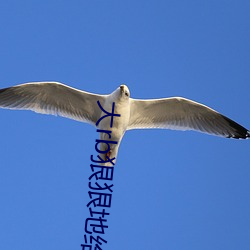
{"x":248,"y":134}
{"x":239,"y":131}
{"x":3,"y":90}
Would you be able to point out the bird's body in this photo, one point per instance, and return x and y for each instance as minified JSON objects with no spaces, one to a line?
{"x":119,"y":126}
{"x":167,"y":113}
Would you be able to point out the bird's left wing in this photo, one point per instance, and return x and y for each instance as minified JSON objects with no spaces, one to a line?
{"x":182,"y":114}
{"x":53,"y":98}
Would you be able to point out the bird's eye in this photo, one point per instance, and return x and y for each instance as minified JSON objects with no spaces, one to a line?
{"x":126,"y":93}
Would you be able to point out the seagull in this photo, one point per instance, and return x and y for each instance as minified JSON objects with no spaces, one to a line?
{"x":176,"y":113}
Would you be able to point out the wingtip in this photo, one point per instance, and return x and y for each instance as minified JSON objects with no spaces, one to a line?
{"x":248,"y":134}
{"x":3,"y":90}
{"x":241,"y":135}
{"x":239,"y":131}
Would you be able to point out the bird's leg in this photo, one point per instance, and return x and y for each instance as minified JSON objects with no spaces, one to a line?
{"x":108,"y":154}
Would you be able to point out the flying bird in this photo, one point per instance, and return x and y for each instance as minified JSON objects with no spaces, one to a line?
{"x":175,"y":113}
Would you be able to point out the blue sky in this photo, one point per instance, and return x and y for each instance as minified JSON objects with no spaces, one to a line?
{"x":172,"y":190}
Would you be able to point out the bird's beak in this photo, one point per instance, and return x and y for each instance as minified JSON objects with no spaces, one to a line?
{"x":122,"y":88}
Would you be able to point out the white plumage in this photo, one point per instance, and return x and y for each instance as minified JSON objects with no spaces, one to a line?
{"x":168,"y":113}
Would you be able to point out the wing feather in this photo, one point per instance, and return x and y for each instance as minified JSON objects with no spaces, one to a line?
{"x":53,"y":98}
{"x":182,"y":114}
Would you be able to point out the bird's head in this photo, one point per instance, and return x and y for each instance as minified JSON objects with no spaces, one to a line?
{"x":121,"y":94}
{"x":124,"y":91}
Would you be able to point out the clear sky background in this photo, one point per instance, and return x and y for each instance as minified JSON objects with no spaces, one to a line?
{"x":172,"y":190}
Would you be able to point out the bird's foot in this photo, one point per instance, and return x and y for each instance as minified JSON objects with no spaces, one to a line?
{"x":108,"y":155}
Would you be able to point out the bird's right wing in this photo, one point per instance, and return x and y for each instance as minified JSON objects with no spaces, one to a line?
{"x":182,"y":114}
{"x":53,"y":98}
